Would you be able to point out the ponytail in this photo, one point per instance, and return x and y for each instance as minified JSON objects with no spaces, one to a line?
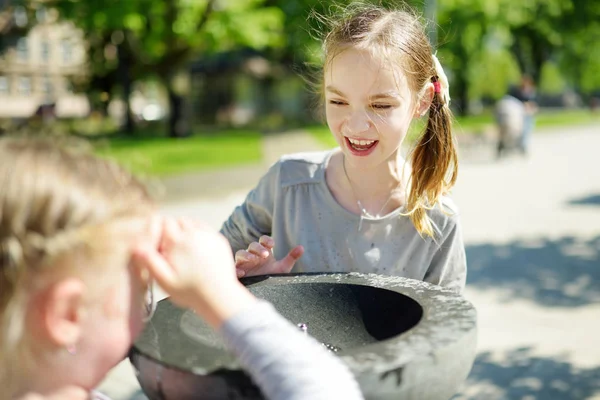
{"x":434,"y":162}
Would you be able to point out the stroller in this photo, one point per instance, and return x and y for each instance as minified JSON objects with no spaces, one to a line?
{"x":510,"y":118}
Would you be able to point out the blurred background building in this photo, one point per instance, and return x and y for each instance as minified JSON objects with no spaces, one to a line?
{"x":39,"y":65}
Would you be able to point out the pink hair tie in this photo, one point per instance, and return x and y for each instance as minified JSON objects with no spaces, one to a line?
{"x":437,"y":87}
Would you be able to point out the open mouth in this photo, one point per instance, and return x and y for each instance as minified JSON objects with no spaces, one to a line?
{"x":361,"y":146}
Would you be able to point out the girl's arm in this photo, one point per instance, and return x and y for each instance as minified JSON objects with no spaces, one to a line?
{"x":251,"y":220}
{"x":284,"y":362}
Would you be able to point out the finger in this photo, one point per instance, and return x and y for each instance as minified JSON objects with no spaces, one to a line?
{"x":70,"y":393}
{"x":171,"y":233}
{"x":185,"y":224}
{"x":200,"y":225}
{"x":245,"y":256}
{"x":286,"y":264}
{"x":267,"y":241}
{"x":159,"y":268}
{"x":247,"y":266}
{"x":155,"y":228}
{"x":259,"y":250}
{"x":172,"y":228}
{"x":240,"y":273}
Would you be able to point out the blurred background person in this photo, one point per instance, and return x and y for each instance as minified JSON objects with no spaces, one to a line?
{"x":510,"y":114}
{"x":527,"y":95}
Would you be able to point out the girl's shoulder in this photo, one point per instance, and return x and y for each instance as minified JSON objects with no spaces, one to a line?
{"x":447,"y":206}
{"x":302,"y":168}
{"x":445,"y":215}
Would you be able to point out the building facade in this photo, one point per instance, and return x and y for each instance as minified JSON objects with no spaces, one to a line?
{"x":37,"y":67}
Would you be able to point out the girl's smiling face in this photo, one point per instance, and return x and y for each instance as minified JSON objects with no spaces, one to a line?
{"x":369,"y":106}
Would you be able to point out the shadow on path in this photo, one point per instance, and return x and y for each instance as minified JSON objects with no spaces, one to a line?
{"x":553,"y":273}
{"x":517,"y":374}
{"x":591,"y":200}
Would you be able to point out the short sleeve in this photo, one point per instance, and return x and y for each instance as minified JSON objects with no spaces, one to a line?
{"x":254,"y":217}
{"x":448,"y":267}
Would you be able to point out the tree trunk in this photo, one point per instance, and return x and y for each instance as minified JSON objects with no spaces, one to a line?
{"x":462,"y":92}
{"x":518,"y":52}
{"x":540,"y":56}
{"x":124,"y":69}
{"x":178,"y":124}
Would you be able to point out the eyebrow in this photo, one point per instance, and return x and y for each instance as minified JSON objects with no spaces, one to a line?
{"x":385,"y":95}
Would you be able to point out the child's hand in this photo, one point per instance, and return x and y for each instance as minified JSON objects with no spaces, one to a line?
{"x":67,"y":393}
{"x":259,"y":259}
{"x":193,"y":265}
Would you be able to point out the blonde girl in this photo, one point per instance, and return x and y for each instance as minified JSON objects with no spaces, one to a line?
{"x":79,"y":240}
{"x":362,"y":207}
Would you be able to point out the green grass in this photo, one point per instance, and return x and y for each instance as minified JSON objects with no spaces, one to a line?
{"x":476,"y":124}
{"x":161,"y":156}
{"x":150,"y":154}
{"x":568,"y":117}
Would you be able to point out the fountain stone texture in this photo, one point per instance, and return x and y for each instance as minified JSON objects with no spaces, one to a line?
{"x":402,"y":338}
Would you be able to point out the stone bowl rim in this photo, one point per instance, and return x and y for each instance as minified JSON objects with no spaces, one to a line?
{"x":447,"y":317}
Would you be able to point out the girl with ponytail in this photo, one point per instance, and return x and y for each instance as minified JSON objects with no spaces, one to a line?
{"x":363,"y":207}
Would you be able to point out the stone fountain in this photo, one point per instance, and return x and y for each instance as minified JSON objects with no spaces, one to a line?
{"x":402,"y":338}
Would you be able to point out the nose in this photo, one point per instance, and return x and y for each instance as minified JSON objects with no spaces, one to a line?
{"x":358,"y":122}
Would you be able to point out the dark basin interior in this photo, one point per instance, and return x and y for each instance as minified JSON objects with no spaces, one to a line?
{"x":341,"y":315}
{"x":346,"y":316}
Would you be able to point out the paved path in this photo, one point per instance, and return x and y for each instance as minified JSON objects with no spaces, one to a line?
{"x":532,"y":229}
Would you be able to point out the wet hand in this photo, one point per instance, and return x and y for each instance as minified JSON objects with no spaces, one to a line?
{"x":258,"y":259}
{"x":192,"y":263}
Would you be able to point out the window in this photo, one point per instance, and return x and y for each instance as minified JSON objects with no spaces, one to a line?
{"x":66,"y":50}
{"x":41,"y":14}
{"x":68,"y":86}
{"x":25,"y":86}
{"x":45,"y":47}
{"x":20,"y":17}
{"x":4,"y":85}
{"x":22,"y":49}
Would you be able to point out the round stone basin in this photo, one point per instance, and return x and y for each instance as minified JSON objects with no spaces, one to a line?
{"x":401,"y":338}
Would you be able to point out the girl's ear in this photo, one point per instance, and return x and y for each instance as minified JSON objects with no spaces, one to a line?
{"x":424,"y":100}
{"x":61,"y":308}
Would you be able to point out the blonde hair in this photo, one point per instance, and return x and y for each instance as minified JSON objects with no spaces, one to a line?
{"x":399,"y":35}
{"x":55,"y":201}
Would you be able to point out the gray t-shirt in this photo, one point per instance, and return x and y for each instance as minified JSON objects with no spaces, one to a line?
{"x":293,"y":204}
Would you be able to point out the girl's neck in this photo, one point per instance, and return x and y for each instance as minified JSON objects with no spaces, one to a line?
{"x":379,"y":180}
{"x":369,"y":192}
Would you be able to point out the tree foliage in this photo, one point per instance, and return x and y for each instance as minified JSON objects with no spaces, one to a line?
{"x":484,"y":44}
{"x":144,"y":38}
